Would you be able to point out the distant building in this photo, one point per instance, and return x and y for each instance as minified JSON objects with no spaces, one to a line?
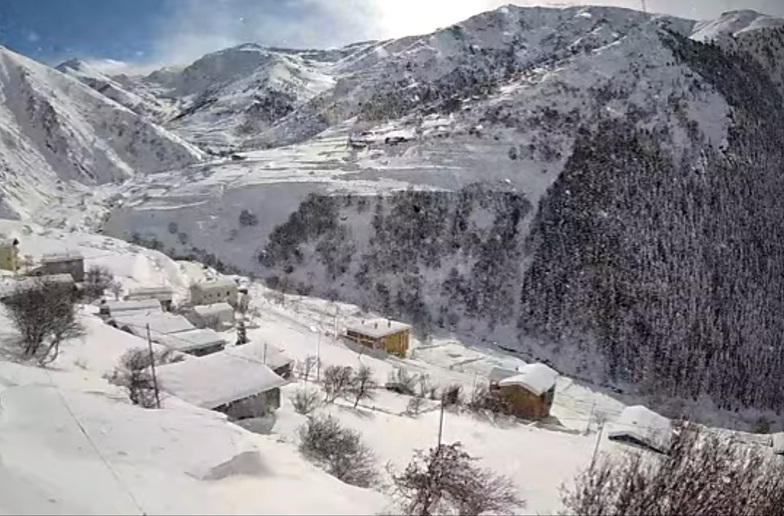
{"x":128,"y":308}
{"x":163,"y":294}
{"x":211,"y":292}
{"x":9,"y":254}
{"x":639,"y":426}
{"x":268,"y":355}
{"x":777,"y":443}
{"x":71,"y":262}
{"x":529,"y":393}
{"x":197,"y":342}
{"x":212,"y":316}
{"x":382,"y":334}
{"x":235,"y":386}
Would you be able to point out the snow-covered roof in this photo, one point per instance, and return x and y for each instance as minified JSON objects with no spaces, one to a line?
{"x":152,"y":305}
{"x":214,"y":309}
{"x":499,"y":373}
{"x":215,"y":284}
{"x":150,"y":291}
{"x":160,"y":324}
{"x":643,"y":426}
{"x":537,"y":378}
{"x":217,"y":379}
{"x":61,"y":257}
{"x":272,"y":356}
{"x":192,"y":339}
{"x":378,"y":328}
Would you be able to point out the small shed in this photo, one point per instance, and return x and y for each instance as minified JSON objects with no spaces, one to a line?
{"x":391,"y":336}
{"x":529,"y":393}
{"x":137,"y":307}
{"x":267,"y":354}
{"x":164,"y":295}
{"x":216,"y":291}
{"x":197,"y":342}
{"x":235,"y":386}
{"x":639,"y":426}
{"x":70,"y":262}
{"x":160,"y":324}
{"x":9,"y":254}
{"x":212,"y":316}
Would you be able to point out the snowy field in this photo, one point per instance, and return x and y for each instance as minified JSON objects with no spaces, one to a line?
{"x":72,"y":443}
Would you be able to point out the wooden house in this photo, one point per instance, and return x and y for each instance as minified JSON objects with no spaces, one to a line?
{"x":382,"y":334}
{"x":9,"y":254}
{"x":235,"y":386}
{"x":528,"y":394}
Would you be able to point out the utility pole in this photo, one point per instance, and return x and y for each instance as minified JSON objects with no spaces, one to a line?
{"x":590,"y":417}
{"x":644,"y":7}
{"x":318,"y":350}
{"x":152,"y":366}
{"x":596,"y":448}
{"x":441,"y":423}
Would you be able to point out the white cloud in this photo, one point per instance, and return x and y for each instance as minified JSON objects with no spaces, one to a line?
{"x":196,"y":27}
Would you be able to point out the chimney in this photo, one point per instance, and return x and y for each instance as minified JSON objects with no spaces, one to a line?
{"x":376,"y":325}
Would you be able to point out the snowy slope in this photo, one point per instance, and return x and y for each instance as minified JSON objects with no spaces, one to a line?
{"x":70,"y":135}
{"x":733,"y":24}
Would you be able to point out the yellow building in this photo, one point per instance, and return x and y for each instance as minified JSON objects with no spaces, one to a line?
{"x":9,"y":254}
{"x":391,"y":336}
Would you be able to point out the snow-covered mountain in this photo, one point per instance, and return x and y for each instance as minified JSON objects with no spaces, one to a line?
{"x":545,"y":150}
{"x":57,"y":135}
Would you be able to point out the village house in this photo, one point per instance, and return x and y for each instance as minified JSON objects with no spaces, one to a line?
{"x":382,"y":334}
{"x":71,"y":262}
{"x":9,"y":254}
{"x":527,"y":392}
{"x":235,"y":386}
{"x":196,"y":342}
{"x":126,"y":308}
{"x":268,"y":355}
{"x":211,"y":292}
{"x":641,"y":427}
{"x":164,"y":295}
{"x":212,"y":316}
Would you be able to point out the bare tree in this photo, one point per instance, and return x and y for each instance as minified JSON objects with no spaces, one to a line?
{"x":402,"y":381}
{"x":242,"y":332}
{"x":44,"y":315}
{"x":305,"y":367}
{"x":116,"y":288}
{"x":339,"y":450}
{"x":702,"y":474}
{"x":337,"y":382}
{"x":363,"y":385}
{"x":132,"y":373}
{"x":305,"y":401}
{"x":97,"y":280}
{"x":447,"y":480}
{"x":414,"y":407}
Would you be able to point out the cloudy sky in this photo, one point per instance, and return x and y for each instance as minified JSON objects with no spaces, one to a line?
{"x":155,"y":32}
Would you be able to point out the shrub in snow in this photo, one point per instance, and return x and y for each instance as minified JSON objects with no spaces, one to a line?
{"x":97,"y":280}
{"x":483,"y":399}
{"x":305,"y":401}
{"x":337,"y":382}
{"x":702,"y":474}
{"x":339,"y":450}
{"x":307,"y":366}
{"x":446,"y":480}
{"x":44,"y":315}
{"x":248,"y":219}
{"x":116,"y":289}
{"x":402,"y":381}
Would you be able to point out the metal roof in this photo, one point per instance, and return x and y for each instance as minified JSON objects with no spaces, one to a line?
{"x":61,"y":257}
{"x":192,"y":339}
{"x":271,"y":356}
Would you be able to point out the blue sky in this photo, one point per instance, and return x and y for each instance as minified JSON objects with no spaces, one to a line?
{"x":158,"y":32}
